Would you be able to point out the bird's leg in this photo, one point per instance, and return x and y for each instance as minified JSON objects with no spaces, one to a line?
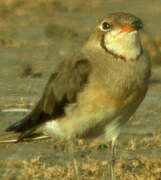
{"x":72,"y":152}
{"x":112,"y":165}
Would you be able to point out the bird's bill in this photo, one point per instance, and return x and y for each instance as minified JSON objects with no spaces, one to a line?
{"x":127,"y":28}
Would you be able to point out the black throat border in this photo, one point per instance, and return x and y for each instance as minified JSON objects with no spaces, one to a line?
{"x":116,"y":55}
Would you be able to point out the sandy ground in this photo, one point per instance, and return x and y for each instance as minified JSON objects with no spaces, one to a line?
{"x":34,"y":37}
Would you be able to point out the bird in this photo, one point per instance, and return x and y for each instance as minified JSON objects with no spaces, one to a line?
{"x":95,"y":91}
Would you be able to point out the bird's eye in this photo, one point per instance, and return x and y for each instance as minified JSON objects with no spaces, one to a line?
{"x":105,"y":26}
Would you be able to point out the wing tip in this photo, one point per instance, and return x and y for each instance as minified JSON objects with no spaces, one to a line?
{"x":19,"y":126}
{"x":14,"y":127}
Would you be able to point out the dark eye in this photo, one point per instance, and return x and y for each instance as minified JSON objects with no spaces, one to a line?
{"x":105,"y":26}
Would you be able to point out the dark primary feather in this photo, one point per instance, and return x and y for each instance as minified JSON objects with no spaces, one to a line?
{"x":61,"y":89}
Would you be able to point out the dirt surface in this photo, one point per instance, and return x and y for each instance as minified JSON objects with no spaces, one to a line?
{"x":34,"y":37}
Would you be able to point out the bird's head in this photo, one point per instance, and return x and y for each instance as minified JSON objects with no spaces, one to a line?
{"x":118,"y":34}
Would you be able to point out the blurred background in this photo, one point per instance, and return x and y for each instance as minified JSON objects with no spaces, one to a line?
{"x":34,"y":37}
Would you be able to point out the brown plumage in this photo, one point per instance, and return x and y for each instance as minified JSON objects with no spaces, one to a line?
{"x":61,"y":90}
{"x":97,"y":90}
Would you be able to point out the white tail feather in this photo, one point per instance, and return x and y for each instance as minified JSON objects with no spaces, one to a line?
{"x":12,"y":139}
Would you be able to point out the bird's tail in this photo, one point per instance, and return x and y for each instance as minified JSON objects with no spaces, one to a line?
{"x":8,"y":138}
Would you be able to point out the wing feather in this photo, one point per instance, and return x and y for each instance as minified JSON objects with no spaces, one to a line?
{"x":62,"y":89}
